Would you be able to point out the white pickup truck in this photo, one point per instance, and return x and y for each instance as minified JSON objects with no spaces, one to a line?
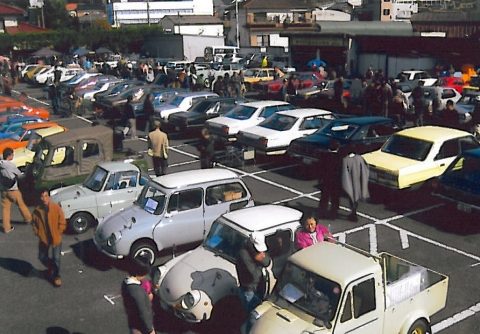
{"x":334,"y":288}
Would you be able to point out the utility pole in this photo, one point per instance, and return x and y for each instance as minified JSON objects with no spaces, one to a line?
{"x":148,"y":12}
{"x":238,"y":32}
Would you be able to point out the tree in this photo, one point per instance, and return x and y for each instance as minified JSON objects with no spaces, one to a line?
{"x":56,"y":16}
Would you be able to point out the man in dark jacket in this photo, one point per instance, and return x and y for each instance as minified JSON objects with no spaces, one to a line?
{"x":330,"y":181}
{"x":206,"y":149}
{"x":137,"y":305}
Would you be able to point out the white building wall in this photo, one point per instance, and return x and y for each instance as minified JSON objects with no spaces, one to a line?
{"x":331,"y":15}
{"x":276,"y":40}
{"x":9,"y":22}
{"x":204,"y":30}
{"x":136,"y":12}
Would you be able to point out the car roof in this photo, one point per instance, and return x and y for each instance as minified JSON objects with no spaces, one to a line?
{"x":363,"y":120}
{"x":266,"y":103}
{"x":304,"y":112}
{"x":50,"y":130}
{"x":36,"y":125}
{"x":196,"y":176}
{"x":118,"y":166}
{"x":335,"y":262}
{"x":262,"y":217}
{"x":186,"y":94}
{"x":433,"y":133}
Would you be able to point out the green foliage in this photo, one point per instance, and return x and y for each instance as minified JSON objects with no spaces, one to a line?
{"x":124,"y":40}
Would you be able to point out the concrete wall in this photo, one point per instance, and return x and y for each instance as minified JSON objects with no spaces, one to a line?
{"x":392,"y":65}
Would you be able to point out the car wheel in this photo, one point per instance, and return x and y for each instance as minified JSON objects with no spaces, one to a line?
{"x":207,"y":83}
{"x":80,"y":222}
{"x":419,"y":327}
{"x":144,"y":251}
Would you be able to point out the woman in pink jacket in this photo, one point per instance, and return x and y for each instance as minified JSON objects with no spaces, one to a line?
{"x":311,"y":233}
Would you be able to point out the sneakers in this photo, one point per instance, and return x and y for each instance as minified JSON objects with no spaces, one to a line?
{"x":57,"y":282}
{"x":10,"y":230}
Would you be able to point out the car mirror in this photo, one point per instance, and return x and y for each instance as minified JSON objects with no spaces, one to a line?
{"x":170,"y":214}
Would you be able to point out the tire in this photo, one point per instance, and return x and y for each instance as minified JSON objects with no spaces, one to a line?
{"x":80,"y":222}
{"x":207,"y":83}
{"x":419,"y":327}
{"x":144,"y":249}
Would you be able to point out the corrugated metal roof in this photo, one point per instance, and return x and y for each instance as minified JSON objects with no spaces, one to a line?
{"x":24,"y":27}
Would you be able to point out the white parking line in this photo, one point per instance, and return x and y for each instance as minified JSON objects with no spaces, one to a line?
{"x":32,"y":98}
{"x":111,"y":298}
{"x":404,"y":239}
{"x":372,"y":232}
{"x":438,"y":327}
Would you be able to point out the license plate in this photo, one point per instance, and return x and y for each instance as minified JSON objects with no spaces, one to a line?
{"x":464,"y":208}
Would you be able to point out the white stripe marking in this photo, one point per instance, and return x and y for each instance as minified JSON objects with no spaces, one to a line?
{"x":404,"y":239}
{"x":32,"y":98}
{"x":373,"y":239}
{"x":110,"y":299}
{"x":341,"y":237}
{"x":456,"y":318}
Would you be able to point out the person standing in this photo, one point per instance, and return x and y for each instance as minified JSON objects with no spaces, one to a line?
{"x":136,"y":302}
{"x":129,"y":114}
{"x":11,"y":194}
{"x":149,"y":76}
{"x":48,"y":225}
{"x":311,"y":233}
{"x":449,"y":116}
{"x":158,"y":145}
{"x":418,"y":95}
{"x":355,"y":174}
{"x":148,"y":112}
{"x":330,"y":180}
{"x":252,"y":258}
{"x":206,"y":149}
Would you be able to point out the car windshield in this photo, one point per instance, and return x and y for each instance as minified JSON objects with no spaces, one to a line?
{"x":250,"y":73}
{"x":224,"y":240}
{"x":176,"y":101}
{"x":96,"y":179}
{"x":407,"y":147}
{"x":18,"y":133}
{"x":119,"y":88}
{"x":152,"y":199}
{"x":339,"y":130}
{"x":241,"y":112}
{"x":313,"y":294}
{"x":279,"y":122}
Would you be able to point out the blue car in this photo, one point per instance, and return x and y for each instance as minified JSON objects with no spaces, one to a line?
{"x":13,"y":123}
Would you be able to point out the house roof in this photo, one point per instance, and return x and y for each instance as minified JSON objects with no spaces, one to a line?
{"x":192,"y":19}
{"x":71,"y":6}
{"x":280,"y":4}
{"x":24,"y":27}
{"x":357,"y":28}
{"x":446,"y":16}
{"x":10,"y":10}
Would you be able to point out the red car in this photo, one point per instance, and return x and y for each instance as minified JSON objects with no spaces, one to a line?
{"x":452,"y":82}
{"x":304,"y":80}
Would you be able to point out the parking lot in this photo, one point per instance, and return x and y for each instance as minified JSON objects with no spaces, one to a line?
{"x":413,"y":225}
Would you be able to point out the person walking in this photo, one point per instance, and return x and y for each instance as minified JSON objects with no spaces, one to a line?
{"x":9,"y":173}
{"x":135,"y":300}
{"x":206,"y":149}
{"x":355,"y":174}
{"x":158,"y":146}
{"x":148,"y":112}
{"x":418,"y":96}
{"x":129,"y":114}
{"x":48,"y":225}
{"x":330,"y":180}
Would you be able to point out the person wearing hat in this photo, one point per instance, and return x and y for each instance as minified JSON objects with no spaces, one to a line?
{"x":252,"y":258}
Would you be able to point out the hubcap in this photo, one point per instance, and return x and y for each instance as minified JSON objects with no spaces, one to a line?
{"x":80,"y":224}
{"x":145,"y":253}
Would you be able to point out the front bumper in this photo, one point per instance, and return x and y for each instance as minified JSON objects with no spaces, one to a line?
{"x":102,"y":246}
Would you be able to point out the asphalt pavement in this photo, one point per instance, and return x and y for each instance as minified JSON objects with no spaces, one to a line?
{"x":412,"y":225}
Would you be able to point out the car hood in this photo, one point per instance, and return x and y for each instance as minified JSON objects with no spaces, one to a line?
{"x":4,"y":135}
{"x":122,"y":220}
{"x":233,"y":124}
{"x":387,"y":161}
{"x":166,"y":107}
{"x":199,"y":270}
{"x":71,"y":193}
{"x":259,"y":131}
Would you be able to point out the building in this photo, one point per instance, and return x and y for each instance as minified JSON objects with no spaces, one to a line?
{"x":205,"y":25}
{"x":146,"y":12}
{"x":12,"y":21}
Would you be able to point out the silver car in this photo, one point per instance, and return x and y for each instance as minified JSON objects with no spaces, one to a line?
{"x":174,"y":209}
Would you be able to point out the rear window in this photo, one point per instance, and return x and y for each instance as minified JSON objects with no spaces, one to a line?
{"x":407,"y":147}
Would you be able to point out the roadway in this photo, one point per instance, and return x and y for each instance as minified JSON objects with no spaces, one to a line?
{"x":414,"y":226}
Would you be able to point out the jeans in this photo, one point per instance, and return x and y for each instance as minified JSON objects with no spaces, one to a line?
{"x":13,"y":197}
{"x":53,"y":264}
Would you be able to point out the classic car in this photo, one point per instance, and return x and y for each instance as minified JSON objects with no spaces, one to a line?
{"x":200,"y":112}
{"x":413,"y":156}
{"x":112,"y":107}
{"x":252,"y":76}
{"x":446,"y":93}
{"x":467,"y":105}
{"x":324,"y":90}
{"x":100,"y":86}
{"x":365,"y":134}
{"x":274,"y":135}
{"x":18,"y":108}
{"x":303,"y":80}
{"x":23,"y":156}
{"x":181,"y":102}
{"x":201,"y":284}
{"x":22,"y":135}
{"x":413,"y":76}
{"x":12,"y":124}
{"x":452,"y":82}
{"x":460,"y":184}
{"x":172,"y":210}
{"x":243,"y":116}
{"x":110,"y":187}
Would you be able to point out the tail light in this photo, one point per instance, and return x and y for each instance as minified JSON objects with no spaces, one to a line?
{"x":264,"y":141}
{"x":225,"y":129}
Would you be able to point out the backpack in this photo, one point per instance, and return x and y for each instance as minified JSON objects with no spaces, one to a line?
{"x":5,"y":182}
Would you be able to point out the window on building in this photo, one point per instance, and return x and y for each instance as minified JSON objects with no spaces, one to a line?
{"x":263,"y":40}
{"x":386,"y":12}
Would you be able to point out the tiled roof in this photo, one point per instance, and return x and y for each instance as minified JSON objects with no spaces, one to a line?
{"x":10,"y":10}
{"x":446,"y":16}
{"x":23,"y":27}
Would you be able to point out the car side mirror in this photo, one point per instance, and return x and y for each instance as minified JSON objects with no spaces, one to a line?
{"x":170,"y":214}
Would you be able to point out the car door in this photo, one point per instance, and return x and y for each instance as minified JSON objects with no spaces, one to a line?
{"x":183,"y":221}
{"x":447,"y":152}
{"x":223,"y":198}
{"x":91,"y":154}
{"x":120,"y":191}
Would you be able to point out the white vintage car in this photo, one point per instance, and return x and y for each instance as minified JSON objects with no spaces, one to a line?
{"x":202,"y":283}
{"x":274,"y":135}
{"x":244,"y":116}
{"x":111,"y":187}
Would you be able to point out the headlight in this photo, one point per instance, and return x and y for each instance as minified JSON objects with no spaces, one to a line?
{"x":191,"y":299}
{"x":254,"y":315}
{"x":113,"y":238}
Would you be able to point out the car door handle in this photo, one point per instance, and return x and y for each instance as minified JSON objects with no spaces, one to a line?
{"x":442,"y":165}
{"x":130,"y":191}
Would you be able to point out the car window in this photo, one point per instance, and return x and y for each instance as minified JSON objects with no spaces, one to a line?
{"x":407,"y":147}
{"x":448,"y":94}
{"x":268,"y":111}
{"x":224,"y":193}
{"x":450,"y":148}
{"x":90,"y":149}
{"x":364,"y":298}
{"x":122,"y":180}
{"x":467,"y":143}
{"x":380,"y":130}
{"x":63,"y":156}
{"x":185,"y":200}
{"x":314,"y":122}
